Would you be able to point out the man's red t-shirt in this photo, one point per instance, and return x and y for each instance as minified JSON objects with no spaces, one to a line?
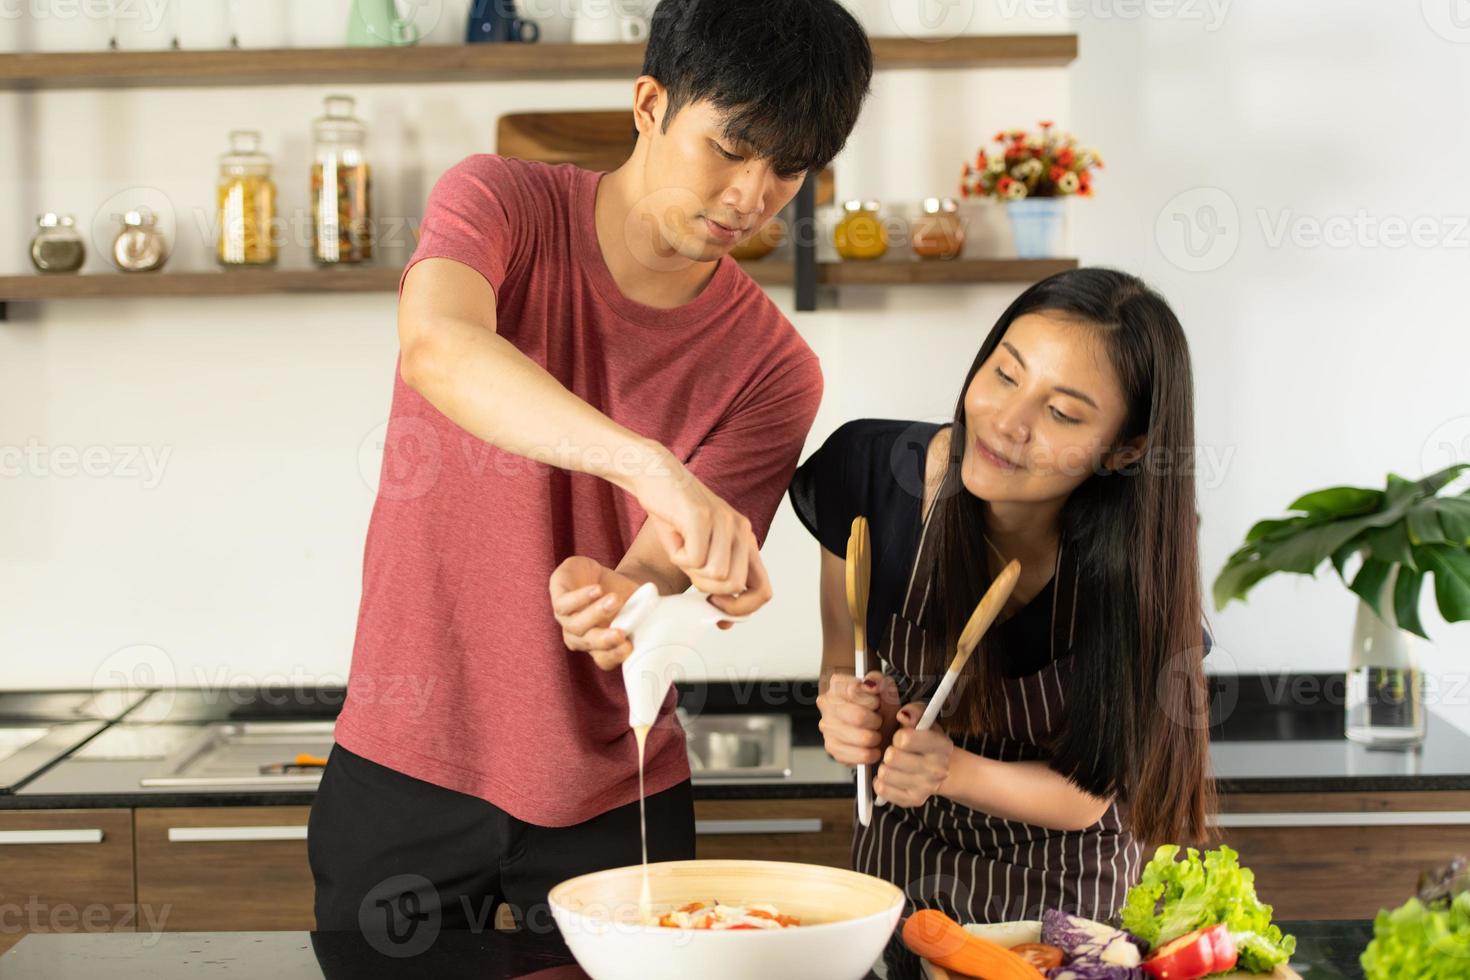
{"x":459,"y":673}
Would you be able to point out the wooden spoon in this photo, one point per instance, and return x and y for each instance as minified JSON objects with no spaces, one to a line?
{"x":859,"y":574}
{"x":990,"y":606}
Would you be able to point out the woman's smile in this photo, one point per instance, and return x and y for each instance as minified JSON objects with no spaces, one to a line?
{"x":994,"y":459}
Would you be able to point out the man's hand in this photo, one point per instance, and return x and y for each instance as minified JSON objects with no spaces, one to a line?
{"x":585,"y":596}
{"x":707,"y":540}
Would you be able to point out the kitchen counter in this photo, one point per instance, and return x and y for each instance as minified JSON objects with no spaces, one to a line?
{"x":1325,"y":951}
{"x":1271,"y":734}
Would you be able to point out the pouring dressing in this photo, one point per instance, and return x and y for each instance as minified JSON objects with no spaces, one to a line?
{"x":664,"y":632}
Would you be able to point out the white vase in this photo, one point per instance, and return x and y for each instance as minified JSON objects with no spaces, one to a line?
{"x":139,"y":26}
{"x":1385,"y":692}
{"x":260,"y":24}
{"x":438,"y":21}
{"x":320,"y":23}
{"x":203,"y":25}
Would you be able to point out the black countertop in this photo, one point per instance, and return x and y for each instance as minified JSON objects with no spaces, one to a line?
{"x":1325,"y":951}
{"x":1269,"y":734}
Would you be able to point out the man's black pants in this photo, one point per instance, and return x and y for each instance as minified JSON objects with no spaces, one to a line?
{"x":391,"y":853}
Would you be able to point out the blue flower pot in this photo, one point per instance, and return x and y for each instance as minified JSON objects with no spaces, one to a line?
{"x":1036,"y":226}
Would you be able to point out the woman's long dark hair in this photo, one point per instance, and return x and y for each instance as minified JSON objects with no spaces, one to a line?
{"x":1135,"y":723}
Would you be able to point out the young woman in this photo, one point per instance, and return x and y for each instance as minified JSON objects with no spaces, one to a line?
{"x":1077,"y":734}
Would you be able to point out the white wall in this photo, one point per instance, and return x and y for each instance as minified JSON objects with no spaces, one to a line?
{"x":242,"y":560}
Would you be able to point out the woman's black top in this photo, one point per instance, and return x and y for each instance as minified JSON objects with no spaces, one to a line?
{"x":875,"y":468}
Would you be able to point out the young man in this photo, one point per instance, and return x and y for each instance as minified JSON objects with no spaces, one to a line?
{"x":590,"y":393}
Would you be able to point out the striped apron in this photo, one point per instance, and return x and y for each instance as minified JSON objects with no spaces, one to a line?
{"x":964,"y":862}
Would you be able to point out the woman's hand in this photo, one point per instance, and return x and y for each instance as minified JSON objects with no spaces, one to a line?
{"x":585,"y":596}
{"x":916,"y":764}
{"x":858,"y":717}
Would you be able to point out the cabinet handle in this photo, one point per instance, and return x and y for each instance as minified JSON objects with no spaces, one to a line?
{"x":214,"y":835}
{"x":50,"y":836}
{"x":812,"y":825}
{"x":1390,"y":818}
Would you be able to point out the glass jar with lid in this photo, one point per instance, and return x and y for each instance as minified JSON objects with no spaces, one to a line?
{"x":341,"y":215}
{"x":140,"y":246}
{"x":860,"y":235}
{"x":247,"y":204}
{"x":57,"y":247}
{"x":938,"y":232}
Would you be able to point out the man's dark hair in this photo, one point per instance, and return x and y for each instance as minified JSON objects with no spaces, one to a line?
{"x":791,"y":75}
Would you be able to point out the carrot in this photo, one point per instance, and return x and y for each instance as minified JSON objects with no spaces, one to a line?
{"x":939,"y":939}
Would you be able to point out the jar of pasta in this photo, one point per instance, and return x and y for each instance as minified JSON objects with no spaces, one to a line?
{"x":247,"y":204}
{"x":341,"y":216}
{"x":860,"y":235}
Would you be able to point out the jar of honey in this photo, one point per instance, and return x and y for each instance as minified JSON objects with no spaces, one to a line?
{"x":938,"y":233}
{"x":247,"y":204}
{"x":860,"y":235}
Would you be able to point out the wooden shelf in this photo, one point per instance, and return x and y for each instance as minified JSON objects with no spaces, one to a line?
{"x":913,"y":272}
{"x":466,"y":62}
{"x":384,"y":279}
{"x":236,"y":282}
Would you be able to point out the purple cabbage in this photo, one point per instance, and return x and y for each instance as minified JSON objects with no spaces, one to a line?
{"x":1093,"y":950}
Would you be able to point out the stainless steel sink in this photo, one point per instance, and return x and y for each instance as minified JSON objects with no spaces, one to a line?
{"x":739,"y":746}
{"x":233,"y":754}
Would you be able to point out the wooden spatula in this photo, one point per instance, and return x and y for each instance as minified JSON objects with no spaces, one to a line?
{"x":990,"y":606}
{"x":859,"y":574}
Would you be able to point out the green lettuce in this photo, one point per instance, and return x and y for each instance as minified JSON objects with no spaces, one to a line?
{"x":1419,"y":942}
{"x":1174,"y":897}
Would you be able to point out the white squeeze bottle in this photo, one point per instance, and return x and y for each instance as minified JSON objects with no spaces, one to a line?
{"x":665,"y":632}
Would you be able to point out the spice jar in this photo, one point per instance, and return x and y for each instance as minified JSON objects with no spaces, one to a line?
{"x":860,"y":235}
{"x":57,"y":247}
{"x":341,"y":219}
{"x":140,"y":246}
{"x":247,"y":204}
{"x":938,"y":233}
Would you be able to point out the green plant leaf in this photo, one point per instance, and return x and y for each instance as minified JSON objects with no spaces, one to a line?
{"x":1451,"y":568}
{"x":1406,"y":600}
{"x":1264,"y":530}
{"x":1368,"y":584}
{"x":1340,"y":558}
{"x":1434,"y":482}
{"x":1391,"y":544}
{"x":1454,"y":517}
{"x":1304,"y":551}
{"x":1339,"y":501}
{"x":1423,"y":523}
{"x":1237,"y":578}
{"x":1398,"y":489}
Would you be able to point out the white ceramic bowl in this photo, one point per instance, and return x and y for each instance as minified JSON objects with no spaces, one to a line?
{"x":846,"y":917}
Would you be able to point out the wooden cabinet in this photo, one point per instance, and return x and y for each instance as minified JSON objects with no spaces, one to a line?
{"x":1343,"y":855}
{"x":226,"y":868}
{"x":65,"y":871}
{"x":810,"y":831}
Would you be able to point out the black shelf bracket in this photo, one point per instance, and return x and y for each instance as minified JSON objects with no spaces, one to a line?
{"x":804,"y":242}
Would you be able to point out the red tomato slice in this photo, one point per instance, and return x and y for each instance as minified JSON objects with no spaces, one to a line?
{"x":1039,"y":955}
